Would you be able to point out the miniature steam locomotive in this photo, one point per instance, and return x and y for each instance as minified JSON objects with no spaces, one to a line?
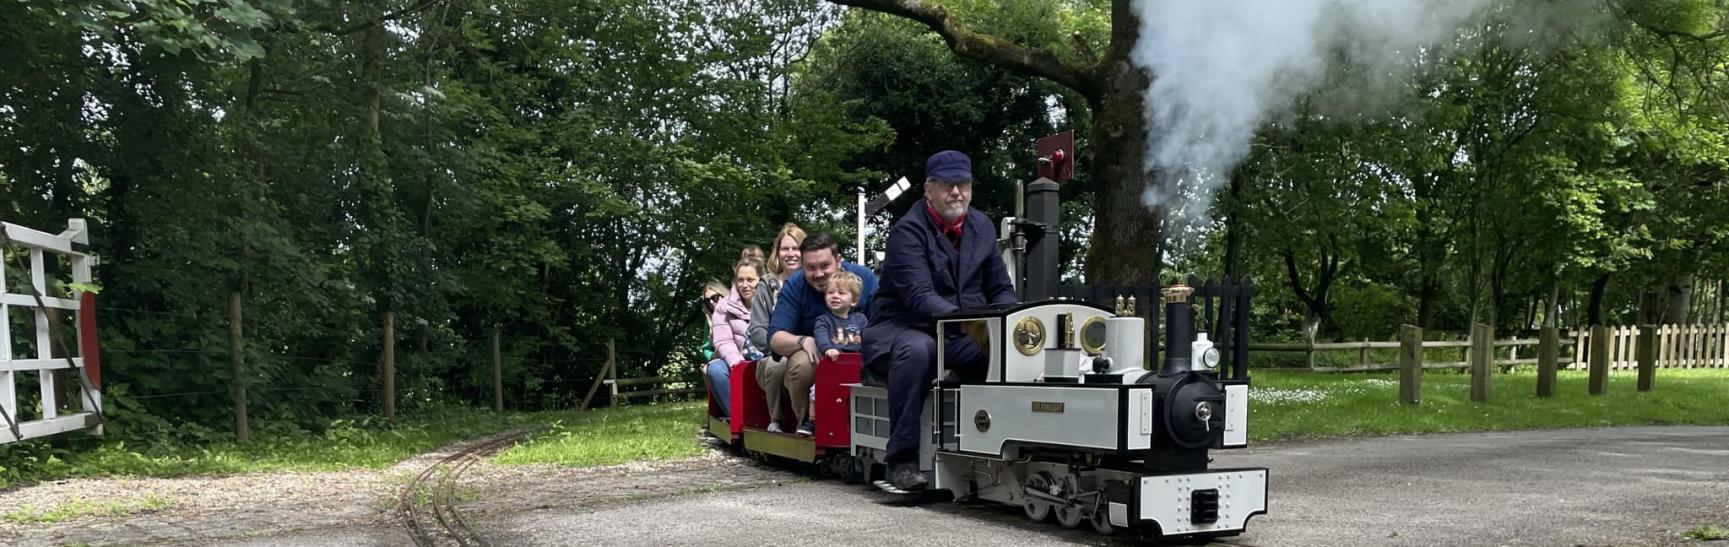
{"x":1068,"y":421}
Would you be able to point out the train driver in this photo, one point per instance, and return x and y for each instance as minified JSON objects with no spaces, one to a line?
{"x":942,"y":257}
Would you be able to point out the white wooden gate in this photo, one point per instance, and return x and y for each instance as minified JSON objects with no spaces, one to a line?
{"x":85,"y":396}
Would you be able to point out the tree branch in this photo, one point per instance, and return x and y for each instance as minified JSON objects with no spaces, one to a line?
{"x":369,"y":23}
{"x":986,"y":48}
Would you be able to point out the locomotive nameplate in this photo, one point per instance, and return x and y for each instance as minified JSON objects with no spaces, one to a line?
{"x":1048,"y":406}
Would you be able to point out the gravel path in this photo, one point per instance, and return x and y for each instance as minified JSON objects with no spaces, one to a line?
{"x":351,"y":507}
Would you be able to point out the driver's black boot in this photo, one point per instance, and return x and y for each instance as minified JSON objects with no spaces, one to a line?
{"x":906,"y":476}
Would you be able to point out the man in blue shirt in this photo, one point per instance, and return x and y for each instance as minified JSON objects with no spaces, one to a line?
{"x":795,"y":313}
{"x":942,"y":258}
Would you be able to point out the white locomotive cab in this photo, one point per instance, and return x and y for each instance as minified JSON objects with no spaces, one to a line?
{"x":1198,"y":503}
{"x":994,"y":417}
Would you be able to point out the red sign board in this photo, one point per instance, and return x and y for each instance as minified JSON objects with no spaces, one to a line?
{"x":1057,"y":156}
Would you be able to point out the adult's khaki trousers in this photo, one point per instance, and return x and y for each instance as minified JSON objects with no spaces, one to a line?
{"x":787,"y":380}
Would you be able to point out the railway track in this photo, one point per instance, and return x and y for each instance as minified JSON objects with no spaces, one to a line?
{"x":436,"y":486}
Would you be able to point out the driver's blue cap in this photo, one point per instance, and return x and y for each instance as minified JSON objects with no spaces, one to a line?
{"x":949,"y":166}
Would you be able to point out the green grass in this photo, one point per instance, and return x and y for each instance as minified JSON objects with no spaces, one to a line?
{"x":636,"y":433}
{"x":1294,"y":404}
{"x":1708,"y":532}
{"x":79,"y":507}
{"x":365,"y":443}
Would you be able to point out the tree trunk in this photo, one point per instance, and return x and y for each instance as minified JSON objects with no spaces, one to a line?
{"x":1594,"y":315}
{"x":237,"y":367}
{"x":1311,"y":326}
{"x":1127,"y":247}
{"x":1551,"y":310}
{"x":1680,"y":300}
{"x":1234,"y":227}
{"x":1650,"y":305}
{"x":387,"y":367}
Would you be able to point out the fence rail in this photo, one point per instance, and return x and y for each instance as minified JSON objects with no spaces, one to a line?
{"x":668,"y":385}
{"x":1678,"y":346}
{"x":1512,"y":357}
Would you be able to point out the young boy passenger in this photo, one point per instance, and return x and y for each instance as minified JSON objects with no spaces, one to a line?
{"x":838,"y":330}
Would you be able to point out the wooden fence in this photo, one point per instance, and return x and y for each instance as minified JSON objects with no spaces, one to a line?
{"x":667,"y":385}
{"x":1515,"y":354}
{"x":1678,"y":346}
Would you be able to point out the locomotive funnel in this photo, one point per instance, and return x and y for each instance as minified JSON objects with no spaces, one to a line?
{"x":1179,"y":320}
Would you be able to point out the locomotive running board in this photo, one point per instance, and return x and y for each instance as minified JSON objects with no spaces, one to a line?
{"x":785,"y":445}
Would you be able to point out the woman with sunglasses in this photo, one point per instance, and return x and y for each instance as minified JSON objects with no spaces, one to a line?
{"x":728,"y":323}
{"x":712,"y":293}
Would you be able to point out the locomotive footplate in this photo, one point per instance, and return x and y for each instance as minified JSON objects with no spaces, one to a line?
{"x":1217,"y":501}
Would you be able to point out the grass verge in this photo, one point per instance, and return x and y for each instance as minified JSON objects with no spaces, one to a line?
{"x":1708,"y":532}
{"x":634,"y":433}
{"x":80,"y":507}
{"x":364,"y":443}
{"x":1295,"y":404}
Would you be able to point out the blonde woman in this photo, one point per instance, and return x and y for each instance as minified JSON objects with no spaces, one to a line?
{"x":771,"y":373}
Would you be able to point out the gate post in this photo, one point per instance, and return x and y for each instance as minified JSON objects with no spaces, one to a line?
{"x":1410,"y":364}
{"x":1482,"y":354}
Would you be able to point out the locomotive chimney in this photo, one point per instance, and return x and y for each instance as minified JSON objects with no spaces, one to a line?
{"x":1044,"y":214}
{"x":1179,"y":319}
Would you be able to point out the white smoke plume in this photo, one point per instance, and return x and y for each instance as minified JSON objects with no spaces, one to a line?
{"x":1222,"y":69}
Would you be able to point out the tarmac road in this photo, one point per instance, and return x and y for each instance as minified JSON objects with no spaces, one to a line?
{"x":1622,"y":486}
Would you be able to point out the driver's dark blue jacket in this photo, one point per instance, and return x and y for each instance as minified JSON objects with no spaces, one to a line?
{"x":925,"y":275}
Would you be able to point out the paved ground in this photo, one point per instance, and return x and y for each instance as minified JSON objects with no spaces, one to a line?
{"x":1632,"y":486}
{"x":1628,"y":486}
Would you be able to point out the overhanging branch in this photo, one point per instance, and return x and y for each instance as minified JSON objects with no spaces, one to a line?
{"x":986,"y":48}
{"x":374,"y":21}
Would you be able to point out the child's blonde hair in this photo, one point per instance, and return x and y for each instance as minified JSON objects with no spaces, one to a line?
{"x":848,"y":282}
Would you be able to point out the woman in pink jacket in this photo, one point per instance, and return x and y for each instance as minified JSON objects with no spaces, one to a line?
{"x":730,"y":321}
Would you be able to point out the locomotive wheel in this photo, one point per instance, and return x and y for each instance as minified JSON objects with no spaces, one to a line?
{"x":1101,"y":521}
{"x":1069,"y":516}
{"x":1037,"y":509}
{"x":855,"y":471}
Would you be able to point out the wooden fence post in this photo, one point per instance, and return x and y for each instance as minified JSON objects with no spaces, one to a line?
{"x":600,"y":378}
{"x":1599,"y":376}
{"x":1548,"y":357}
{"x":1482,"y":356}
{"x":1410,"y":364}
{"x":1580,"y":338}
{"x":1647,"y":356}
{"x":389,"y":372}
{"x":237,"y":368}
{"x":497,"y":373}
{"x":612,"y":366}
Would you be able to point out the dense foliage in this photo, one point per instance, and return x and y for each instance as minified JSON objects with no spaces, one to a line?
{"x":568,"y":172}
